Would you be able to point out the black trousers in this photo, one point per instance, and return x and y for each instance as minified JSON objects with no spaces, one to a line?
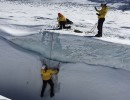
{"x":62,"y":24}
{"x":50,"y":82}
{"x":100,"y":25}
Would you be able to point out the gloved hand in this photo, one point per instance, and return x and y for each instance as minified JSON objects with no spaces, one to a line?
{"x":57,"y":69}
{"x":57,"y":25}
{"x":97,"y":14}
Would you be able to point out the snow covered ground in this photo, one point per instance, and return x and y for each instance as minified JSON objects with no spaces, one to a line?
{"x":19,"y":18}
{"x":91,"y":69}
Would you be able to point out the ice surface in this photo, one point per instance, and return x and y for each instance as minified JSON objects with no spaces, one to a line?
{"x":92,"y":72}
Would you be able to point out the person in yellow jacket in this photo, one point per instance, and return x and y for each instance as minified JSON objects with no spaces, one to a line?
{"x":61,"y":21}
{"x":46,"y":75}
{"x":101,"y":18}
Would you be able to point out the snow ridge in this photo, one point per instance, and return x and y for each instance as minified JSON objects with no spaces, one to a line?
{"x":76,"y":49}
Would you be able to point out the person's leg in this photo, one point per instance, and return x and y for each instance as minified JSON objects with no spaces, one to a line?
{"x":100,"y":25}
{"x":43,"y":88}
{"x":63,"y":24}
{"x":52,"y":87}
{"x":60,"y":25}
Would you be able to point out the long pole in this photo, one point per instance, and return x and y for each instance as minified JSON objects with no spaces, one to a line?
{"x":51,"y":45}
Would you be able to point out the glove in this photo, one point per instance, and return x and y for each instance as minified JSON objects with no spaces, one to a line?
{"x":97,"y":14}
{"x":58,"y":25}
{"x":57,"y":69}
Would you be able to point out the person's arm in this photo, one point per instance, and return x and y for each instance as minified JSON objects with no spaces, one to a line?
{"x":98,"y":14}
{"x":103,"y":11}
{"x":58,"y":21}
{"x":97,"y":9}
{"x":41,"y":73}
{"x":54,"y":71}
{"x":57,"y":67}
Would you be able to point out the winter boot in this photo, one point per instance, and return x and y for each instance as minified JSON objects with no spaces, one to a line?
{"x":52,"y":94}
{"x":98,"y":35}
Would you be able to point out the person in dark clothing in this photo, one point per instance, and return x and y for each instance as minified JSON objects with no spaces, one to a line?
{"x":46,"y":74}
{"x":99,"y":27}
{"x":101,"y":18}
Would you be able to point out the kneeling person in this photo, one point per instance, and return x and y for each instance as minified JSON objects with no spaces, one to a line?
{"x":61,"y":21}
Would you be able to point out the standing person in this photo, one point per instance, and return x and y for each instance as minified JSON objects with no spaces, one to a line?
{"x":61,"y":21}
{"x":101,"y":18}
{"x":46,"y":75}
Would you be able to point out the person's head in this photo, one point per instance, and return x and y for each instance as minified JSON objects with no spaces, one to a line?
{"x":59,"y":14}
{"x":103,"y":4}
{"x":45,"y":67}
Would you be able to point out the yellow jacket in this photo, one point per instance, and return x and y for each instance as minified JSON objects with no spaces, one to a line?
{"x":102,"y":12}
{"x":46,"y":75}
{"x":61,"y":18}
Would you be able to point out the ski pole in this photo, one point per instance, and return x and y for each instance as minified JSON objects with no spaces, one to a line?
{"x":93,"y":28}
